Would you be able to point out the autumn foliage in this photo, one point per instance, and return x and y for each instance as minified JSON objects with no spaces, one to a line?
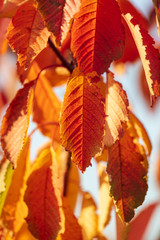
{"x":79,"y":43}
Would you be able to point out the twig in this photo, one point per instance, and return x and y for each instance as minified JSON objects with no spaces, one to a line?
{"x":68,"y":166}
{"x":66,"y":64}
{"x":42,"y":125}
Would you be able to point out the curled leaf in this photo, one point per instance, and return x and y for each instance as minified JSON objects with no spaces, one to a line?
{"x":15,"y":123}
{"x":149,"y":55}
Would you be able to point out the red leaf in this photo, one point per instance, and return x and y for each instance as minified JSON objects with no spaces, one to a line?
{"x":139,"y":224}
{"x":82,"y":119}
{"x":58,"y":15}
{"x":130,"y":50}
{"x":97,"y":36}
{"x":127,"y":176}
{"x":9,"y":7}
{"x":149,"y":55}
{"x":27,"y":35}
{"x":43,"y":198}
{"x":15,"y":123}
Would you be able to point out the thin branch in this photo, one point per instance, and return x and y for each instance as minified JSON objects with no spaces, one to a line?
{"x":42,"y":125}
{"x":66,"y":64}
{"x":66,"y":177}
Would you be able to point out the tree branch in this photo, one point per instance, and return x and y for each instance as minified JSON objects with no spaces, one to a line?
{"x":68,"y":166}
{"x":66,"y":64}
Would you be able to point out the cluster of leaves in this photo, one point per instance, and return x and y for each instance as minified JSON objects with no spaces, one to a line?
{"x":73,"y":41}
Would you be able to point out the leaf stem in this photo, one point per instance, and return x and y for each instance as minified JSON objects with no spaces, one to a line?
{"x":66,"y":64}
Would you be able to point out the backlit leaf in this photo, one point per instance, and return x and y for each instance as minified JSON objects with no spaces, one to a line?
{"x":127,"y":176}
{"x":97,"y":37}
{"x":88,"y":218}
{"x":82,"y":119}
{"x":72,"y":228}
{"x":27,"y":35}
{"x":45,"y":217}
{"x":15,"y":209}
{"x":15,"y":123}
{"x":73,"y":185}
{"x":6,"y":173}
{"x":149,"y":55}
{"x":130,"y":50}
{"x":46,"y":108}
{"x":141,"y":132}
{"x":105,"y":201}
{"x":58,"y":15}
{"x":116,"y":110}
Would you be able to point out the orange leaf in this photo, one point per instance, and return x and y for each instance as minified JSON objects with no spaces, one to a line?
{"x":88,"y":218}
{"x":105,"y":201}
{"x":27,"y":35}
{"x":24,"y":233}
{"x":97,"y":37}
{"x":158,"y":170}
{"x":45,"y":217}
{"x":103,"y":156}
{"x":127,"y":176}
{"x":116,"y":110}
{"x":140,"y":131}
{"x":15,"y":123}
{"x":46,"y":107}
{"x":72,"y":227}
{"x":15,"y":209}
{"x":148,"y":54}
{"x":140,"y":223}
{"x":58,"y":15}
{"x":82,"y":119}
{"x":3,"y":29}
{"x":73,"y":185}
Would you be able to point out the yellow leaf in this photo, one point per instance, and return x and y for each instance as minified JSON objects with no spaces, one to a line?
{"x":15,"y":210}
{"x":72,"y":228}
{"x":88,"y":218}
{"x":105,"y":201}
{"x":73,"y":185}
{"x":24,"y":233}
